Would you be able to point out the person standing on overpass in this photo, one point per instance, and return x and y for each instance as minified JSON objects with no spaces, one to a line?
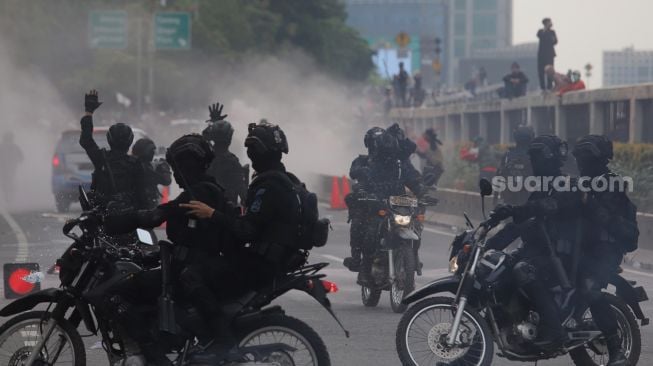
{"x":546,"y":51}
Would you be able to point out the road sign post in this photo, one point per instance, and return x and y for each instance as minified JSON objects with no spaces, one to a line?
{"x":172,"y":31}
{"x":107,"y":29}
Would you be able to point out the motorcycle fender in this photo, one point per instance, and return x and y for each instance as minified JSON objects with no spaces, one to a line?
{"x":631,"y":295}
{"x":446,"y":284}
{"x":407,"y":234}
{"x":320,"y":295}
{"x":30,"y":301}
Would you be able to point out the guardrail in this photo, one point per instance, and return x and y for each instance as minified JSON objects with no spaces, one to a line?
{"x":626,"y":112}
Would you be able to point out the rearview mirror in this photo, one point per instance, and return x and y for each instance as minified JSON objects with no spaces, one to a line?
{"x":485,"y":187}
{"x":146,"y":237}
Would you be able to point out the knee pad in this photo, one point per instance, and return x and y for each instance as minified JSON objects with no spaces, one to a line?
{"x":524,"y":273}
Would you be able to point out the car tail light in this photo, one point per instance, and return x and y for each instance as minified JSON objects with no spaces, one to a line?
{"x":56,"y":161}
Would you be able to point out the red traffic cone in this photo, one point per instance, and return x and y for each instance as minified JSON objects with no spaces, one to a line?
{"x":346,"y":188}
{"x":337,"y":202}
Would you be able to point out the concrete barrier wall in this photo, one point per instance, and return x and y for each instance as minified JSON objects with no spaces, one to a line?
{"x":453,"y":203}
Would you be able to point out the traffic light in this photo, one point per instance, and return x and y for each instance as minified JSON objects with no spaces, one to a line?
{"x":438,"y":43}
{"x":21,"y":279}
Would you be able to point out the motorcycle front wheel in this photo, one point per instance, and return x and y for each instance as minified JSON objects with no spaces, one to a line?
{"x":423,"y":330}
{"x":595,"y":353}
{"x":20,"y":334}
{"x":309,"y":349}
{"x":404,"y":282}
{"x":370,"y":296}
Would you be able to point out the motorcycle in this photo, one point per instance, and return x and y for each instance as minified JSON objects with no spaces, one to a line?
{"x":487,"y":307}
{"x":394,"y":260}
{"x":94,"y":268}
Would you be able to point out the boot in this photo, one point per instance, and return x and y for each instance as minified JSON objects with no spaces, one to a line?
{"x":418,"y":264}
{"x":552,"y":334}
{"x":223,"y":347}
{"x":616,"y":352}
{"x":364,"y":276}
{"x":353,"y":263}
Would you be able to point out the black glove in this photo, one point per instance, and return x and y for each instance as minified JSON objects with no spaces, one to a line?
{"x":91,"y":102}
{"x":502,"y":212}
{"x":215,"y":113}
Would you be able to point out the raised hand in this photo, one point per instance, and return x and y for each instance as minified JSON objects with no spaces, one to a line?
{"x":215,"y":113}
{"x":91,"y":102}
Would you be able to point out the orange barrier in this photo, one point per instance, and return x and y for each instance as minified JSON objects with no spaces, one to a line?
{"x":346,"y":188}
{"x":337,"y":201}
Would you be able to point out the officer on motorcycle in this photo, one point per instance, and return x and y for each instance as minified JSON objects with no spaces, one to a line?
{"x":117,"y":177}
{"x":268,"y":228}
{"x":358,"y":213}
{"x":203,"y":252}
{"x":385,"y":172}
{"x":516,"y":164}
{"x":225,"y":168}
{"x":155,"y":173}
{"x":557,"y":215}
{"x":611,"y":231}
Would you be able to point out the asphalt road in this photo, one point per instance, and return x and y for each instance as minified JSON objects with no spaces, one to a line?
{"x":372,"y":340}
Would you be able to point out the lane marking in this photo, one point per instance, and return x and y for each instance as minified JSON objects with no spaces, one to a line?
{"x":638,"y":272}
{"x":332,"y":257}
{"x":23,"y":248}
{"x":436,"y":231}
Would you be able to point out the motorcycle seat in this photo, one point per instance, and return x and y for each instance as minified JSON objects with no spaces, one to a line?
{"x":233,"y":306}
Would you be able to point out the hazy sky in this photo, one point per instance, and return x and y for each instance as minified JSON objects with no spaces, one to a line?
{"x":586,"y":28}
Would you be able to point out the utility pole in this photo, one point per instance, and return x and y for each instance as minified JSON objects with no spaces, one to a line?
{"x":588,"y":74}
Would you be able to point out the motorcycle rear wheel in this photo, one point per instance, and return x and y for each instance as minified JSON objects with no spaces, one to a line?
{"x":20,"y":333}
{"x":277,"y":328}
{"x":370,"y":296}
{"x":595,"y":354}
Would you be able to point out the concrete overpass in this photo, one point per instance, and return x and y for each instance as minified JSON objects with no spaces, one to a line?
{"x":624,"y":113}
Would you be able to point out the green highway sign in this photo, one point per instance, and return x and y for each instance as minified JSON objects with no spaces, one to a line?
{"x":107,"y":29}
{"x":172,"y":31}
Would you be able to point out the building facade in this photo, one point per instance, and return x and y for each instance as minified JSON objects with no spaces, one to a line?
{"x":627,"y":66}
{"x":463,"y":26}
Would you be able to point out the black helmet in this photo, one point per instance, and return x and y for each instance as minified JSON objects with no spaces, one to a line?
{"x":191,"y":147}
{"x":594,"y":146}
{"x":371,"y":135}
{"x":220,"y":132}
{"x":387,"y":143}
{"x":550,"y":147}
{"x":523,"y":134}
{"x":265,"y":137}
{"x":120,"y":136}
{"x":143,"y":147}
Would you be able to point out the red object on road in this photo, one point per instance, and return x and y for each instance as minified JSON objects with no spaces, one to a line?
{"x":337,"y":200}
{"x":21,"y":279}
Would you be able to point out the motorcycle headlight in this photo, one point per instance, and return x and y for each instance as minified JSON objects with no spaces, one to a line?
{"x":453,"y":264}
{"x":402,"y":220}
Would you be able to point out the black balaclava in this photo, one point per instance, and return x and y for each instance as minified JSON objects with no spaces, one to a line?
{"x":263,"y":162}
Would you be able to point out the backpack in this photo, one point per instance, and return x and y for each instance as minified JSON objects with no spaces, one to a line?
{"x":311,"y":230}
{"x":516,"y":164}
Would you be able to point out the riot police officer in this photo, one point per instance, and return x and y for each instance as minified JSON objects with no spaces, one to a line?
{"x":155,"y":173}
{"x":551,"y":220}
{"x":203,"y":257}
{"x":268,"y":228}
{"x":358,"y":213}
{"x":225,"y":168}
{"x":516,"y":165}
{"x":117,"y":177}
{"x":611,"y":231}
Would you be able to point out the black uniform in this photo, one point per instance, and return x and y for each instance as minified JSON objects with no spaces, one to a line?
{"x":228,"y":172}
{"x":117,"y":177}
{"x":515,"y":165}
{"x":267,"y":230}
{"x":155,"y":174}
